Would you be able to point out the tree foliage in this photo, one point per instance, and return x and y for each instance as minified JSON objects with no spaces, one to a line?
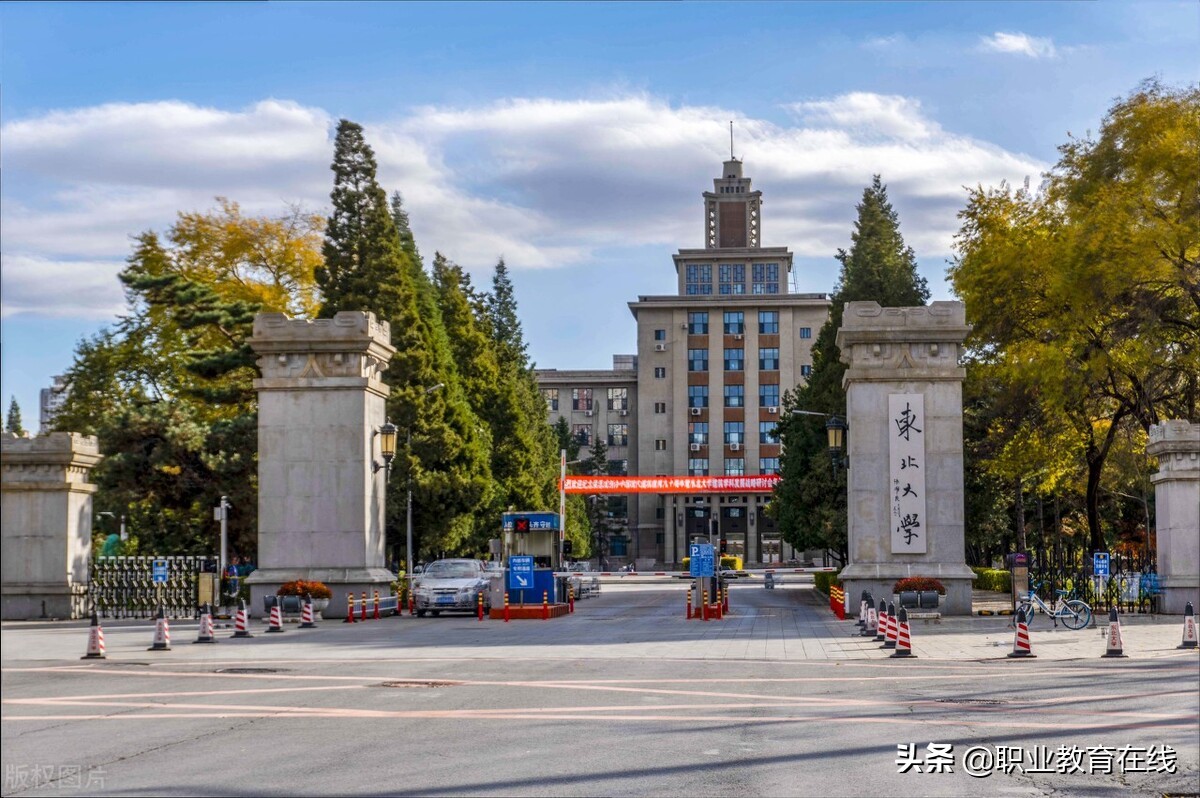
{"x":12,"y":422}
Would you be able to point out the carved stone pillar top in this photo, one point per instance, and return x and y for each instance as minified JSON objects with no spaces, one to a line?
{"x":921,"y":343}
{"x":351,"y":350}
{"x":1176,"y":444}
{"x":58,"y":457}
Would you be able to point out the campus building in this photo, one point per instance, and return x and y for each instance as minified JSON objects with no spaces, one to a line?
{"x":702,"y":395}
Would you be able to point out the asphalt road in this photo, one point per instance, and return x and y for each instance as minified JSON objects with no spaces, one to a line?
{"x":623,"y":698}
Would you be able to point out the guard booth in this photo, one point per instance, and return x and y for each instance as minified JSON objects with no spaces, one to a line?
{"x":533,"y":534}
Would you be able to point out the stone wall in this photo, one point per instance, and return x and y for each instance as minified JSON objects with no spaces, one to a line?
{"x":1176,"y":444}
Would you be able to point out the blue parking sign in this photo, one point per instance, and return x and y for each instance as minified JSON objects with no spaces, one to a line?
{"x":700,"y":559}
{"x":520,"y":571}
{"x":1100,"y":563}
{"x":159,"y":571}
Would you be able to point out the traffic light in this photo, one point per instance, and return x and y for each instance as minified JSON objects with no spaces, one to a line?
{"x":723,"y":546}
{"x":521,"y":524}
{"x":715,"y":526}
{"x":566,"y":547}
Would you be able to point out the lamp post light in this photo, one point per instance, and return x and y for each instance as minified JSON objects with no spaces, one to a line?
{"x":408,"y":524}
{"x":835,"y":430}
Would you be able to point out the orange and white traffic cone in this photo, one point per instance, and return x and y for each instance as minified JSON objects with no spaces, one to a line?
{"x":881,"y":622}
{"x":95,"y":649}
{"x":1113,"y":647}
{"x":903,"y":637}
{"x":1189,"y":627}
{"x":275,"y":623}
{"x":862,"y":613}
{"x":306,"y":615}
{"x":872,"y":618}
{"x":240,"y":628}
{"x":1021,"y":646}
{"x":162,"y":632}
{"x":893,"y":626}
{"x":206,"y":627}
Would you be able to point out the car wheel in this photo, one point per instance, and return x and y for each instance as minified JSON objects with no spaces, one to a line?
{"x":435,"y":613}
{"x":420,"y":613}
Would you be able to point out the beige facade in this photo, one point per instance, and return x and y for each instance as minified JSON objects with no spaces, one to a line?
{"x":712,"y":366}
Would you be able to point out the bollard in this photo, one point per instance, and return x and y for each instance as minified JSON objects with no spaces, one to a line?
{"x":903,"y":638}
{"x":240,"y":624}
{"x":349,"y":608}
{"x":377,"y":604}
{"x":725,"y":595}
{"x":162,"y":632}
{"x":1189,"y":627}
{"x":1114,"y":648}
{"x":275,"y":622}
{"x":545,"y":605}
{"x":1021,"y":646}
{"x":480,"y":606}
{"x":881,"y":625}
{"x":206,"y":626}
{"x":704,"y":607}
{"x":506,"y":606}
{"x":570,"y":599}
{"x":893,"y":628}
{"x":412,"y":605}
{"x":95,"y":647}
{"x":306,"y":615}
{"x":363,"y":615}
{"x":689,"y":604}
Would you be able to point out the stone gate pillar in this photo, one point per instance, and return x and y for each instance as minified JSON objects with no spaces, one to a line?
{"x":1176,"y":444}
{"x":320,"y":504}
{"x":905,"y":446}
{"x":47,"y":523}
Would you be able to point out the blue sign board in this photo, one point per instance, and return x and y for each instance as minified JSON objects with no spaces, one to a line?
{"x":159,"y":571}
{"x":700,"y":559}
{"x":1100,"y":563}
{"x":529,"y":522}
{"x":520,"y":571}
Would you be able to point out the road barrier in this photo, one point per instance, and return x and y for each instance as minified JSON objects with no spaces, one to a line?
{"x":95,"y":646}
{"x":1021,"y":645}
{"x":506,"y":606}
{"x":479,"y":609}
{"x":205,"y":634}
{"x":364,"y":606}
{"x":689,"y":604}
{"x":349,"y":608}
{"x":1189,"y":627}
{"x":570,"y":598}
{"x":545,"y":605}
{"x":903,"y":637}
{"x":1114,"y":648}
{"x":162,"y":632}
{"x":239,"y":622}
{"x":704,"y":608}
{"x":377,"y":615}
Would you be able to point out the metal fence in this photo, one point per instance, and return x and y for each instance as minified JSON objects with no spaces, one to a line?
{"x":124,"y":587}
{"x":1131,"y":586}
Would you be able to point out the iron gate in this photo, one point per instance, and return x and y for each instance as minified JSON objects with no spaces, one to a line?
{"x":1132,"y":584}
{"x":123,"y":587}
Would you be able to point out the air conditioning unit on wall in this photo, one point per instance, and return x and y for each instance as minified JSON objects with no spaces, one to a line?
{"x":737,"y":336}
{"x":590,"y":413}
{"x":660,"y":347}
{"x":695,"y":411}
{"x":735,"y":447}
{"x":772,"y":410}
{"x":693,"y":447}
{"x":624,"y":412}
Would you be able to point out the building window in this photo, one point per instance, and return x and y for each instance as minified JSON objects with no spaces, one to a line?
{"x":660,"y":335}
{"x":582,"y":433}
{"x":581,"y":398}
{"x":768,"y":432}
{"x":660,"y":513}
{"x":735,"y":322}
{"x":732,"y":277}
{"x":618,"y":398}
{"x":618,"y":468}
{"x":660,"y":407}
{"x":735,"y":359}
{"x":697,"y":466}
{"x":768,"y":359}
{"x":735,"y":466}
{"x":765,"y":277}
{"x":768,"y":396}
{"x":699,"y":278}
{"x":698,"y":323}
{"x":768,"y":465}
{"x":768,"y":322}
{"x":806,"y":332}
{"x":735,"y":395}
{"x":660,"y":444}
{"x":805,"y":371}
{"x":618,"y":434}
{"x":697,"y":360}
{"x":697,"y":396}
{"x":551,"y":396}
{"x":698,"y":432}
{"x":660,"y":372}
{"x":735,"y":432}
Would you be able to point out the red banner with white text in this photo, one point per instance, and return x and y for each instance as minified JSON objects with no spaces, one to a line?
{"x":760,"y":483}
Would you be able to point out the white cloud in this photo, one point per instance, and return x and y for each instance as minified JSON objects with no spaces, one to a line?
{"x":1019,"y":44}
{"x":545,"y":183}
{"x":80,"y":289}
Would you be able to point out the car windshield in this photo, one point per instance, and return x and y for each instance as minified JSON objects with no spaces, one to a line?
{"x":451,"y":570}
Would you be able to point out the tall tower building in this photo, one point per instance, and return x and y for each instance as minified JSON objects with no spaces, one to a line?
{"x":712,"y":365}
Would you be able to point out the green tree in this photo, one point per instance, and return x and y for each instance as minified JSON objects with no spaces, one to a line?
{"x":12,"y":422}
{"x":505,"y":323}
{"x":597,"y":465}
{"x":1087,"y":293}
{"x":408,"y":242}
{"x":809,"y":503}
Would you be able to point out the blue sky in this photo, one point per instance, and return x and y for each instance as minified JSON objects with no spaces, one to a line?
{"x":573,"y":139}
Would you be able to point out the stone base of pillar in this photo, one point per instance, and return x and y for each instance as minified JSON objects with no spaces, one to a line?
{"x":340,"y":581}
{"x":41,"y":602}
{"x":878,"y":578}
{"x":1178,"y":590}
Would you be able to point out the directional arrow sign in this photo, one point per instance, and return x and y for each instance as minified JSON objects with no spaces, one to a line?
{"x":520,"y":571}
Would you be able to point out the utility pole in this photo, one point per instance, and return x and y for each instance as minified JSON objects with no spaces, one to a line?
{"x":220,"y":513}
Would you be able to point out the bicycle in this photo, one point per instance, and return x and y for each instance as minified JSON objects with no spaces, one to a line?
{"x":1074,"y":613}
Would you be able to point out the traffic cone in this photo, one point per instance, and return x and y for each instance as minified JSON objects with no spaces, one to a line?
{"x":1113,"y":649}
{"x":868,"y":616}
{"x":162,"y":632}
{"x":862,"y":612}
{"x":893,"y":628}
{"x":881,"y":623}
{"x":95,"y":649}
{"x":903,"y":637}
{"x":239,"y":622}
{"x":275,"y":623}
{"x":1189,"y":627}
{"x":1021,"y":646}
{"x":306,"y":615}
{"x":206,"y":627}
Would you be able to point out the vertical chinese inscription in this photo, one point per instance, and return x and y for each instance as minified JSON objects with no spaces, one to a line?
{"x":906,"y":448}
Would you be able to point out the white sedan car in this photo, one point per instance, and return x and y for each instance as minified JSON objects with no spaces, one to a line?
{"x":451,"y":586}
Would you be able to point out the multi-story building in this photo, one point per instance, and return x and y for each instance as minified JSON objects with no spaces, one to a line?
{"x":704,"y":391}
{"x":52,"y":399}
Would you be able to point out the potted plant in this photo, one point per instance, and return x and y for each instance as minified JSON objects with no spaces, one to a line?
{"x":919,"y":591}
{"x":317,"y":591}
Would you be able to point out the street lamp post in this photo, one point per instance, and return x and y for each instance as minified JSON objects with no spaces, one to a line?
{"x":835,"y":431}
{"x":408,"y":524}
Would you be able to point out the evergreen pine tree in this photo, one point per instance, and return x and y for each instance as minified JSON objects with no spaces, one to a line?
{"x":407,"y":242}
{"x":808,"y":503}
{"x":12,"y":422}
{"x":506,"y":325}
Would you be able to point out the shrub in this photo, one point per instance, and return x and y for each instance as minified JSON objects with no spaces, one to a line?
{"x":997,"y":579}
{"x":823,"y":580}
{"x":299,"y":587}
{"x":919,"y":583}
